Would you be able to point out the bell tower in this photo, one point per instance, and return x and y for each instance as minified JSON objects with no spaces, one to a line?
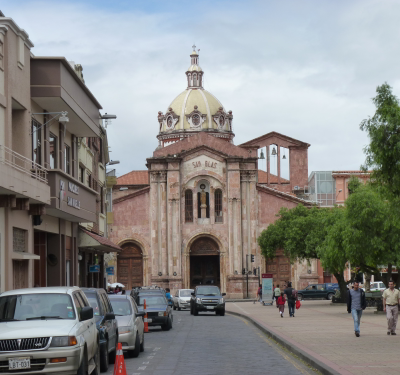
{"x":194,"y":73}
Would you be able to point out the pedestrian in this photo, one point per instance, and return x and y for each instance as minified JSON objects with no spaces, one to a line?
{"x":391,"y":298}
{"x":277,"y":293}
{"x":291,"y":299}
{"x":168,"y":296}
{"x":356,"y":303}
{"x":280,"y":303}
{"x":259,"y":294}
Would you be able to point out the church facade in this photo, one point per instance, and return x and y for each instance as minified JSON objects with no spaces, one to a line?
{"x":194,"y":216}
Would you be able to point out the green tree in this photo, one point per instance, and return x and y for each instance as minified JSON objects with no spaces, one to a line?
{"x":383,"y":129}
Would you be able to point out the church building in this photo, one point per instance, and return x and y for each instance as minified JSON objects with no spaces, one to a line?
{"x":194,"y":216}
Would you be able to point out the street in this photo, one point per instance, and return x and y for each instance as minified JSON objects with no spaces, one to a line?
{"x":210,"y":344}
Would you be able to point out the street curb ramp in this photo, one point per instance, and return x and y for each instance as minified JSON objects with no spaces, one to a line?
{"x":317,"y":364}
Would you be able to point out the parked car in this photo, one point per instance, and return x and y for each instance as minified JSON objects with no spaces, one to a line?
{"x":147,"y":290}
{"x":130,"y":324}
{"x":106,"y":324}
{"x":317,"y":291}
{"x":159,"y":313}
{"x":181,"y":300}
{"x":207,"y":298}
{"x":377,"y":285}
{"x":48,"y":330}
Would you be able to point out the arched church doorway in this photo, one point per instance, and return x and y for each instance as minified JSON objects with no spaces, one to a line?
{"x":204,"y":262}
{"x":130,"y":266}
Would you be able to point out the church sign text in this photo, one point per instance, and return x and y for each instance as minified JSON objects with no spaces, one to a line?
{"x":207,"y":164}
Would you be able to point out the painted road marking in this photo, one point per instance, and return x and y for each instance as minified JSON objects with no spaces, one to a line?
{"x":142,"y":368}
{"x":146,"y":363}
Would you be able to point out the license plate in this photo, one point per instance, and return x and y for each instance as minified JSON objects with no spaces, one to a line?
{"x":210,"y":307}
{"x":19,"y":363}
{"x":149,"y":320}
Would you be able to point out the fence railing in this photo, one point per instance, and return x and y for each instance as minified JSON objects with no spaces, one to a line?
{"x":23,"y":164}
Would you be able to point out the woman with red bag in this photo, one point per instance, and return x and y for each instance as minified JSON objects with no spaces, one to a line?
{"x":281,"y":304}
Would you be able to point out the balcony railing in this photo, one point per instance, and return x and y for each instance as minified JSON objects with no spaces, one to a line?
{"x":22,"y":164}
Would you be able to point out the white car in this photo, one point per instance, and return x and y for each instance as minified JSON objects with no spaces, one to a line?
{"x":130,"y":324}
{"x":378,"y":285}
{"x":182,"y":299}
{"x":48,"y":330}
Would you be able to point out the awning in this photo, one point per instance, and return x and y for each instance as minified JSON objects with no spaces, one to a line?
{"x":94,"y":242}
{"x":19,"y":255}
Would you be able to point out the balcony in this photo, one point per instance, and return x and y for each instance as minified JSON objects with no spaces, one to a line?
{"x":23,"y":177}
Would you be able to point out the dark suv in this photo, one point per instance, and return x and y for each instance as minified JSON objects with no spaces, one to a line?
{"x":207,"y":298}
{"x":317,"y":291}
{"x":106,"y":324}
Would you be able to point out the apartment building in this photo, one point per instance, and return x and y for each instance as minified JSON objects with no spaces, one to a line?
{"x":49,"y":193}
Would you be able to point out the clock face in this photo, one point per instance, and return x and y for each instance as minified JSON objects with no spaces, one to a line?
{"x":221,"y":121}
{"x":196,"y":120}
{"x":169,"y":121}
{"x":202,"y":186}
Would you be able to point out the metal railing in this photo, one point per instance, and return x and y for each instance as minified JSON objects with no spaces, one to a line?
{"x":22,"y":164}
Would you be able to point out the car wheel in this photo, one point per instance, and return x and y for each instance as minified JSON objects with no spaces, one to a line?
{"x":112,"y":355}
{"x":300,"y":297}
{"x":136,"y":351}
{"x":329,"y":297}
{"x":195,"y":312}
{"x":104,"y":359}
{"x":179,"y":309}
{"x":167,"y":326}
{"x":142,"y":345}
{"x":222,"y":312}
{"x":174,"y":307}
{"x":82,"y":370}
{"x":97,"y":370}
{"x":191,"y":310}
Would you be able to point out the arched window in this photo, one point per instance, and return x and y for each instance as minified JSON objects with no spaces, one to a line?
{"x":188,"y":206}
{"x":218,"y":205}
{"x":195,"y":79}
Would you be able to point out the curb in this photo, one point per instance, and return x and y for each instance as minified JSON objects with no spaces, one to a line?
{"x":320,"y":366}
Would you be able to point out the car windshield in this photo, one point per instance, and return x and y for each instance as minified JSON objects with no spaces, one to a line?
{"x":152,"y":300}
{"x":94,"y":303}
{"x":208,"y":290}
{"x":121,"y":306}
{"x":36,"y":306}
{"x":186,"y":293}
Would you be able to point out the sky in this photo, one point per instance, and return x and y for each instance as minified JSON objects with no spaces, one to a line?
{"x":304,"y":68}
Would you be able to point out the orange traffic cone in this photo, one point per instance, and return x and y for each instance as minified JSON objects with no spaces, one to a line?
{"x":146,"y":324}
{"x":119,"y":367}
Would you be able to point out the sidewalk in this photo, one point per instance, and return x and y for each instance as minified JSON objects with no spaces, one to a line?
{"x":325,"y":333}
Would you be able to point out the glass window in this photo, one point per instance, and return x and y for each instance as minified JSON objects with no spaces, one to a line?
{"x":208,"y":290}
{"x":66,"y":158}
{"x":82,"y":175}
{"x":53,"y":151}
{"x":153,"y":300}
{"x":218,"y":205}
{"x":186,"y":292}
{"x":36,"y":142}
{"x":35,"y":306}
{"x":188,"y":206}
{"x":95,"y":303}
{"x":121,"y":306}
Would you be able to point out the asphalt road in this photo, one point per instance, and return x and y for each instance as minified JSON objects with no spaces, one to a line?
{"x":208,"y":344}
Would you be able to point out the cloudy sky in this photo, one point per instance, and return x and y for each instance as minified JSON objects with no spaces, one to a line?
{"x":307,"y":69}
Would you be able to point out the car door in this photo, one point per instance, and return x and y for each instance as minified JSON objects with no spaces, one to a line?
{"x":321,"y":291}
{"x":110,"y":324}
{"x":139,"y":324}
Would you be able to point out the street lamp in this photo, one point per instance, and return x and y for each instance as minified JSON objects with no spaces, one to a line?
{"x":108,"y":119}
{"x":113,"y":162}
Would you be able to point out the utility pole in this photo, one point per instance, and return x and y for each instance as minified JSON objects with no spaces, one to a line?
{"x":247,"y":274}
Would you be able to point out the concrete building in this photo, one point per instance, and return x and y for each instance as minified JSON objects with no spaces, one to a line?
{"x":194,"y":216}
{"x":46,"y":111}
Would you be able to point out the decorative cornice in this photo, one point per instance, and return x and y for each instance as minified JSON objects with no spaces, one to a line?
{"x":6,"y":21}
{"x":248,"y":175}
{"x":158,"y":176}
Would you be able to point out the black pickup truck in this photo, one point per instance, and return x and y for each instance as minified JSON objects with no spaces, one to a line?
{"x":317,"y":291}
{"x":207,"y":298}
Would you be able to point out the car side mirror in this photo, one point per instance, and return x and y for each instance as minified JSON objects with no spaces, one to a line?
{"x":223,"y":294}
{"x":192,"y":294}
{"x":140,"y":313}
{"x":86,"y":313}
{"x":109,"y":316}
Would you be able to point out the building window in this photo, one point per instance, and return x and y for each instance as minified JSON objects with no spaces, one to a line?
{"x":66,"y":158}
{"x":88,"y":179}
{"x":53,"y":151}
{"x":218,"y":205}
{"x":102,"y":200}
{"x":36,"y":142}
{"x":19,"y":239}
{"x":82,"y":175}
{"x":188,"y":206}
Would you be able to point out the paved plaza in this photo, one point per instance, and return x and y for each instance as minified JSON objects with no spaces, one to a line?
{"x":208,"y":344}
{"x":326,"y":332}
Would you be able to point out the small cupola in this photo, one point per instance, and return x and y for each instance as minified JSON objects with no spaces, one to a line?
{"x":194,"y":73}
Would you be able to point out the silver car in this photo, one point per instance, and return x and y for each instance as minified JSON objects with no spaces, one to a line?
{"x":48,"y":330}
{"x":182,"y":299}
{"x":130,"y":324}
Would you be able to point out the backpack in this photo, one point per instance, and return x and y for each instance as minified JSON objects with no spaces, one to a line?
{"x":294,"y":293}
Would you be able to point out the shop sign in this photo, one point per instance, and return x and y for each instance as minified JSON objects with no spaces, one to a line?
{"x":267,"y":288}
{"x":73,"y":188}
{"x":73,"y":203}
{"x":110,"y":270}
{"x":94,"y":268}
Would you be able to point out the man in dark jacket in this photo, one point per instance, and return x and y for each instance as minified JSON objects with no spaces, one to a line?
{"x":291,"y":299}
{"x":356,"y":303}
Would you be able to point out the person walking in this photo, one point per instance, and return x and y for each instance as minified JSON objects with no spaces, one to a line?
{"x":291,"y":299}
{"x":356,"y":303}
{"x":391,"y":298}
{"x":280,"y":303}
{"x":277,"y":293}
{"x":259,"y":294}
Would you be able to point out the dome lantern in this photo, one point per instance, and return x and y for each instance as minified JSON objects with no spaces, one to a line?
{"x":194,"y":73}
